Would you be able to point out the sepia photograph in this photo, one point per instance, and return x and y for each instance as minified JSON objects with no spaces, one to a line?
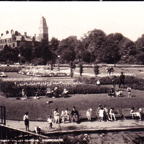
{"x":71,"y":72}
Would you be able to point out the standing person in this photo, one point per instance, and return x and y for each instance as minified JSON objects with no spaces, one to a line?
{"x":101,"y":114}
{"x":56,"y":94}
{"x":26,"y":121}
{"x":106,"y":115}
{"x":122,"y":79}
{"x":56,"y":116}
{"x":97,"y":112}
{"x":114,"y":81}
{"x":75,"y":115}
{"x":49,"y":120}
{"x":81,"y":69}
{"x":129,"y":91}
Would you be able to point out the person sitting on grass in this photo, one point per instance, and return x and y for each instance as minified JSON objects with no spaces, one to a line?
{"x":24,"y":96}
{"x":75,"y":115}
{"x":129,"y":91}
{"x":36,"y":96}
{"x":65,"y":92}
{"x":111,"y":92}
{"x":49,"y":92}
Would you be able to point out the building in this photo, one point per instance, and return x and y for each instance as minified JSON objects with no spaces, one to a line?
{"x":16,"y":39}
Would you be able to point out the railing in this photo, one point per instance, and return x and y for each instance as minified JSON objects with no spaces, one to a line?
{"x":9,"y":133}
{"x":3,"y":115}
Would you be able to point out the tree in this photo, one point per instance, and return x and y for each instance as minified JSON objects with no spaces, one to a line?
{"x":54,"y":42}
{"x":93,"y":41}
{"x":86,"y":56}
{"x":68,"y":55}
{"x":109,"y":52}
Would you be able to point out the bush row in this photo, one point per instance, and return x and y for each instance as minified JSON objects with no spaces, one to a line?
{"x":108,"y":80}
{"x":10,"y":68}
{"x":134,"y":82}
{"x":10,"y":89}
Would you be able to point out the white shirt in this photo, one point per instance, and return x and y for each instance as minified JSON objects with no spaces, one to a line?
{"x":25,"y":117}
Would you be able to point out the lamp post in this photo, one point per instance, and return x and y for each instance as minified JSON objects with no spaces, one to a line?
{"x":59,"y":63}
{"x":19,"y":55}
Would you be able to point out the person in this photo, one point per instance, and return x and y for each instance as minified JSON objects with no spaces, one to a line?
{"x":106,"y":115}
{"x":49,"y":120}
{"x":98,"y":82}
{"x":56,"y":116}
{"x":122,"y":79}
{"x":56,"y":94}
{"x":67,"y":117}
{"x":86,"y":139}
{"x":36,"y":96}
{"x":114,"y":81}
{"x":75,"y":115}
{"x":24,"y":94}
{"x":65,"y":92}
{"x":88,"y":114}
{"x":62,"y":117}
{"x":26,"y":121}
{"x":49,"y":92}
{"x":81,"y":69}
{"x":37,"y":129}
{"x":129,"y":91}
{"x":101,"y":114}
{"x":97,"y":112}
{"x":112,"y":114}
{"x":111,"y":92}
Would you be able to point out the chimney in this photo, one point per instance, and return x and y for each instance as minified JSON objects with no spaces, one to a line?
{"x":7,"y":32}
{"x":1,"y":34}
{"x":25,"y":33}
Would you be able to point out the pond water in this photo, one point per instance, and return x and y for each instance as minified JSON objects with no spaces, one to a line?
{"x":121,"y":137}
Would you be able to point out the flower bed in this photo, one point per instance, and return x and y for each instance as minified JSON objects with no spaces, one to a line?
{"x":13,"y":87}
{"x":41,"y":72}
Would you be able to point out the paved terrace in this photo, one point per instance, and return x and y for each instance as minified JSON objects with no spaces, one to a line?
{"x":83,"y":126}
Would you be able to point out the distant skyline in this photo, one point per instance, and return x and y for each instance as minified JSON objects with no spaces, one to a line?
{"x":66,"y":19}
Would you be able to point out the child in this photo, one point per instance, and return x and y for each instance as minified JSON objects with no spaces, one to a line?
{"x":129,"y":91}
{"x":112,"y":115}
{"x":101,"y":114}
{"x":49,"y":120}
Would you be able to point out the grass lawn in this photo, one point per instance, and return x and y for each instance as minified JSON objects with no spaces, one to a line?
{"x":15,"y":109}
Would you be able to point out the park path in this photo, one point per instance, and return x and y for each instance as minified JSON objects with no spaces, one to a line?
{"x":86,"y":125}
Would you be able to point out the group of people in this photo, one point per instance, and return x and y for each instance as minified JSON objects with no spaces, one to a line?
{"x":65,"y":115}
{"x":102,"y":114}
{"x":54,"y":93}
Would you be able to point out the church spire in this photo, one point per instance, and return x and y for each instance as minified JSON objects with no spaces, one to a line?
{"x":43,"y":30}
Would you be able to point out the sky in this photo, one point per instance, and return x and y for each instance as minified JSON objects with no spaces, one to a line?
{"x":75,"y":18}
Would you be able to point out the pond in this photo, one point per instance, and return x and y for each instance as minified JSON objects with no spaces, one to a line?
{"x":119,"y":137}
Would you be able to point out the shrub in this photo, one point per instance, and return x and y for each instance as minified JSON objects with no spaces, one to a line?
{"x":13,"y":89}
{"x":108,"y":80}
{"x":11,"y":68}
